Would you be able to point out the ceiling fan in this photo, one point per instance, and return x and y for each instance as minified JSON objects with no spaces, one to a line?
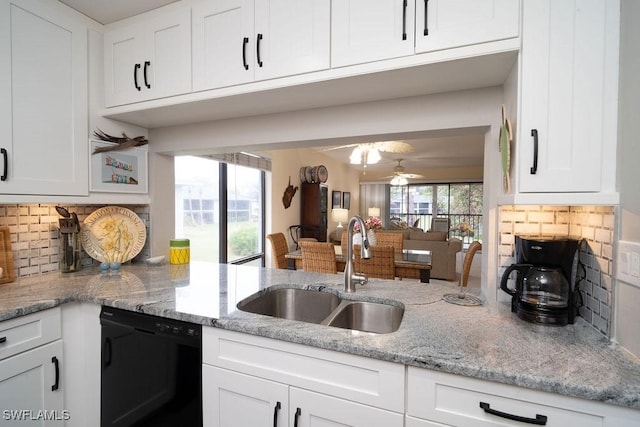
{"x":400,"y":177}
{"x":369,"y":153}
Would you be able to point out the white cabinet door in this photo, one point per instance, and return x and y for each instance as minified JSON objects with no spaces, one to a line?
{"x":444,"y":24}
{"x":293,"y":37}
{"x":567,"y":96}
{"x":148,"y":59}
{"x":237,"y":41}
{"x":30,"y":381}
{"x":43,"y":93}
{"x":366,"y":31}
{"x":231,"y":399}
{"x":224,"y":46}
{"x":310,"y":409}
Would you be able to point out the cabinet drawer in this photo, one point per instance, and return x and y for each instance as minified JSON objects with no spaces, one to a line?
{"x":454,"y":400}
{"x":26,"y":332}
{"x":359,"y":379}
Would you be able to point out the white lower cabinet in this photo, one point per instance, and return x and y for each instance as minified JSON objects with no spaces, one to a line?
{"x":31,"y":369}
{"x":436,"y":398}
{"x":257,"y":381}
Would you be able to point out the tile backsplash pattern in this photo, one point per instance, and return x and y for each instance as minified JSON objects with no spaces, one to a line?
{"x":596,"y":224}
{"x":34,"y":235}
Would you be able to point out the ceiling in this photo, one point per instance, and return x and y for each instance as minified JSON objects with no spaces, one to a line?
{"x":460,"y":149}
{"x":108,"y":11}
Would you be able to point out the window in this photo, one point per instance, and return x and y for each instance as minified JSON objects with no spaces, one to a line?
{"x":220,"y":208}
{"x":461,"y":203}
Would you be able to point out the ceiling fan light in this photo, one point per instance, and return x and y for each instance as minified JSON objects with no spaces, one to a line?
{"x":356,"y":156}
{"x":399,"y":180}
{"x":373,"y":156}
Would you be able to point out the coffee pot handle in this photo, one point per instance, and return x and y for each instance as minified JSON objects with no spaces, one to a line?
{"x":521,"y":269}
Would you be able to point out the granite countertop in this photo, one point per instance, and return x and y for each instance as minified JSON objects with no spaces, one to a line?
{"x":486,"y":342}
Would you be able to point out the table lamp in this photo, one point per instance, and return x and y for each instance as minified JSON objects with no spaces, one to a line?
{"x":339,"y":215}
{"x":374,"y":212}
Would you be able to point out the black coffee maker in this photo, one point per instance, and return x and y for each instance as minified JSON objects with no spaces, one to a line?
{"x":547,"y":279}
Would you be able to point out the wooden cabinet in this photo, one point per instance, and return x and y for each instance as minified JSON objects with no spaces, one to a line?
{"x":313,"y":211}
{"x":43,"y":93}
{"x":252,"y":380}
{"x":30,"y":368}
{"x":239,"y":41}
{"x":365,"y":31}
{"x":148,"y":58}
{"x":445,"y":24}
{"x":568,"y":103}
{"x":436,"y":398}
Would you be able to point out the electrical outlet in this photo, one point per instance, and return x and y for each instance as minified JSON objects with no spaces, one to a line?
{"x":628,"y":262}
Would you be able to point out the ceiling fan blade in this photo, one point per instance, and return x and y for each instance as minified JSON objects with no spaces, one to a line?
{"x":394,"y":146}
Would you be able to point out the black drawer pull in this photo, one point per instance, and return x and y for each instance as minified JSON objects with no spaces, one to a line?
{"x":135,"y":76}
{"x":534,"y":168}
{"x":146,"y":81}
{"x":5,"y":158}
{"x":55,"y":362}
{"x":275,"y":414}
{"x":426,"y":15}
{"x":3,"y":340}
{"x":258,"y":49}
{"x":245,"y":41}
{"x":296,"y":417}
{"x":540,"y":420}
{"x":404,"y":20}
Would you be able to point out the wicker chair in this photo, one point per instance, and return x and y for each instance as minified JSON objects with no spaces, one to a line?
{"x":318,"y":257}
{"x":380,"y":265}
{"x":279,"y":248}
{"x":468,"y":258}
{"x":390,"y":239}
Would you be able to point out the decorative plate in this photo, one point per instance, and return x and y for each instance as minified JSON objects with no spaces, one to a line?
{"x":323,"y":174}
{"x":303,"y":179}
{"x":113,"y":234}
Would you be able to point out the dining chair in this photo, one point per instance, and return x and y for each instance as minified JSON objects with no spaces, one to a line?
{"x":318,"y":257}
{"x":474,"y":247}
{"x":387,"y":238}
{"x":380,"y":265}
{"x":279,"y":249}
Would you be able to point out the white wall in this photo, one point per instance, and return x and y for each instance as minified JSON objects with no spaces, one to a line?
{"x":627,"y":322}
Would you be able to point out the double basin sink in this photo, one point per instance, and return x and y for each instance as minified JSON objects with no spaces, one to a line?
{"x":324,"y":308}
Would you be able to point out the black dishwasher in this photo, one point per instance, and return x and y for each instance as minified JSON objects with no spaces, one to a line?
{"x":151,"y":371}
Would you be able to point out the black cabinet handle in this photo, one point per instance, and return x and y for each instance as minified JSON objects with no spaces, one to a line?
{"x":146,"y":82}
{"x":540,"y":420}
{"x":275,"y":414}
{"x":107,"y":350}
{"x":404,"y":19}
{"x":258,"y":49}
{"x":245,"y":41}
{"x":426,"y":16}
{"x":3,"y":340}
{"x":135,"y":76}
{"x":56,"y":364}
{"x":295,"y":417}
{"x":534,"y":168}
{"x":5,"y":158}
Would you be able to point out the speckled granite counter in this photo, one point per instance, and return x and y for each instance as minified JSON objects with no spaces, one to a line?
{"x":486,"y":342}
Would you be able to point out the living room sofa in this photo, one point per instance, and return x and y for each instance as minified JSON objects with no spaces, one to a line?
{"x":443,"y":250}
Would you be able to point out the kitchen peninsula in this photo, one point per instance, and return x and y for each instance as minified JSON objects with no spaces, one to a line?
{"x":485,"y":343}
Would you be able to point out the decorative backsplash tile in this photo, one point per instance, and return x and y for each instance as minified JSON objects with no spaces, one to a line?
{"x":34,"y":235}
{"x":596,"y":224}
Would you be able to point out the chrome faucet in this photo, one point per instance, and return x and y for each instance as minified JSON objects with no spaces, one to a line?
{"x":350,"y":276}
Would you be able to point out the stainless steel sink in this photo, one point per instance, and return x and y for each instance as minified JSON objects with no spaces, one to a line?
{"x":324,"y":308}
{"x":367,"y":317}
{"x":291,"y":303}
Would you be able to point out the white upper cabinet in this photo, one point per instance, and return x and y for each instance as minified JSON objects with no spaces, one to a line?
{"x":568,"y":102}
{"x":43,"y":100}
{"x":148,"y":58}
{"x":444,"y":24}
{"x":239,"y":41}
{"x":366,"y":31}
